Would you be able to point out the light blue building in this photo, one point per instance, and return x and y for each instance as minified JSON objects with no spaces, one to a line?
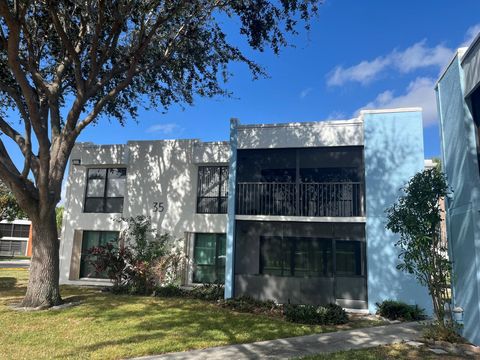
{"x":458,"y":100}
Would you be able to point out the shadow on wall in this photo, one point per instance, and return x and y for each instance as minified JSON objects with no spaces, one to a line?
{"x":160,"y":183}
{"x":393,"y":154}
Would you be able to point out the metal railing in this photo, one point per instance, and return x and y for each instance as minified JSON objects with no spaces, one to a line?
{"x":300,"y":199}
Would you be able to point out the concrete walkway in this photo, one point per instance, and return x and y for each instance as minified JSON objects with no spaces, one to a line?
{"x":14,"y":264}
{"x":304,"y":345}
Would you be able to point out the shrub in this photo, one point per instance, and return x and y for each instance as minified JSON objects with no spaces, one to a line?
{"x":397,"y":310}
{"x":209,"y":292}
{"x":248,"y":304}
{"x":447,"y":332}
{"x":330,"y":314}
{"x":143,"y":259}
{"x":170,"y":290}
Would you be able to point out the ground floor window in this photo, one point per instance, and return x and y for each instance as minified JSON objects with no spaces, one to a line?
{"x":209,"y":258}
{"x":90,"y":240}
{"x":349,"y":258}
{"x":312,"y":257}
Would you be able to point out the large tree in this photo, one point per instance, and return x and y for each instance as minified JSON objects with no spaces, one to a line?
{"x":64,"y":64}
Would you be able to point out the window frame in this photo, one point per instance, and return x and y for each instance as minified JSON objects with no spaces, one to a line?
{"x":217,"y":264}
{"x":289,"y":250}
{"x":219,"y":198}
{"x":82,"y":259}
{"x":105,"y":190}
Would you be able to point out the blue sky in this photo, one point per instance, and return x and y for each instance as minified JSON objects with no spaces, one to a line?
{"x":358,"y":54}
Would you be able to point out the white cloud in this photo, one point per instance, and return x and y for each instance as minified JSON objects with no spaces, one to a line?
{"x":165,"y":129}
{"x":419,"y":92}
{"x":364,"y":72}
{"x":471,"y":34}
{"x":304,"y":93}
{"x":420,"y":56}
{"x":415,"y":57}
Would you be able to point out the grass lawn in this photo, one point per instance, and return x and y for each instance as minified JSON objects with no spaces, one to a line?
{"x":107,"y":326}
{"x":13,"y":258}
{"x":397,"y":351}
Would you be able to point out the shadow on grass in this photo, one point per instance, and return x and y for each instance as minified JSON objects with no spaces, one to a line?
{"x":7,"y":283}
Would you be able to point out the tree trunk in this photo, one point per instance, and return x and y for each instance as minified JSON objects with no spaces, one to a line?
{"x":43,"y":290}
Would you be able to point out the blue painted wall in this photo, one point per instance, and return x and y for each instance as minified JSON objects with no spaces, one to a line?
{"x":232,"y":180}
{"x":461,"y":168}
{"x":393,"y":154}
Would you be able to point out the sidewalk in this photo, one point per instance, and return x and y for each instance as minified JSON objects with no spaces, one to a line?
{"x":15,"y":264}
{"x":304,"y":345}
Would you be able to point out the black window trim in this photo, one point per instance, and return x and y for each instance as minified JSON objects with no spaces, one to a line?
{"x":219,"y":196}
{"x":86,"y":197}
{"x":82,"y":258}
{"x":333,"y":272}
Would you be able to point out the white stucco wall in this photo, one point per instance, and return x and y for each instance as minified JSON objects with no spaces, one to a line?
{"x":157,"y":171}
{"x":314,"y":134}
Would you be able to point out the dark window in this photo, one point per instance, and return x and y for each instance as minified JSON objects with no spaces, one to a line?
{"x":90,"y":240}
{"x":475,"y":106}
{"x":291,"y":256}
{"x":105,"y":190}
{"x":349,"y":256}
{"x":212,"y":190}
{"x":21,"y":230}
{"x":6,"y":230}
{"x":209,"y":258}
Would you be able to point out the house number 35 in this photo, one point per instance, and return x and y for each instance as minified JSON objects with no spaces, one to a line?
{"x":158,"y":206}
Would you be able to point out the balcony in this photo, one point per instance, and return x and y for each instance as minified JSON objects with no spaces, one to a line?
{"x":326,"y":199}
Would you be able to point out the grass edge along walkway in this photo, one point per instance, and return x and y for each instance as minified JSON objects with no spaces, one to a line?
{"x":304,"y":345}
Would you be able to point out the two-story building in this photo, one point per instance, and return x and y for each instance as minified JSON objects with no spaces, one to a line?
{"x":292,"y":212}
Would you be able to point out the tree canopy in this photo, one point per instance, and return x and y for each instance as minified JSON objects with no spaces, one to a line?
{"x":65,"y":64}
{"x":417,"y":217}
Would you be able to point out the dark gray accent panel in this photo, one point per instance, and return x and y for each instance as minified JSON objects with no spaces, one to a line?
{"x":303,"y":290}
{"x":351,"y":288}
{"x":285,"y":289}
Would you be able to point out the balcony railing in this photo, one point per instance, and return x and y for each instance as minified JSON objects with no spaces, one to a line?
{"x":300,"y":199}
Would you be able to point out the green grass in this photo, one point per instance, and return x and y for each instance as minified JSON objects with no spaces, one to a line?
{"x":107,"y":326}
{"x":13,"y":258}
{"x":396,"y":351}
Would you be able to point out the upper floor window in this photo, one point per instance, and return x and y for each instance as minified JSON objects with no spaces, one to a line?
{"x":212,"y":190}
{"x":105,"y":190}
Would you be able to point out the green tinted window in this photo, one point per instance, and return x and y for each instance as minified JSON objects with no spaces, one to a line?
{"x":209,"y":258}
{"x":90,"y":240}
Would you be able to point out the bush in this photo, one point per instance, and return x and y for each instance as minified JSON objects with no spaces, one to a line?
{"x":248,"y":304}
{"x":397,"y":310}
{"x":448,"y":332}
{"x":169,"y":291}
{"x":209,"y":292}
{"x":142,"y":260}
{"x":331,"y":314}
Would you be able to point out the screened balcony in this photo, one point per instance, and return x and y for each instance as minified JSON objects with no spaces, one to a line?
{"x":291,"y":199}
{"x":313,"y":182}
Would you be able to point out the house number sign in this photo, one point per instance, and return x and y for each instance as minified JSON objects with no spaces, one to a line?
{"x":158,"y":207}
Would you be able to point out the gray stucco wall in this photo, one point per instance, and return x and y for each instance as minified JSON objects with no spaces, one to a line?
{"x":463,"y":206}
